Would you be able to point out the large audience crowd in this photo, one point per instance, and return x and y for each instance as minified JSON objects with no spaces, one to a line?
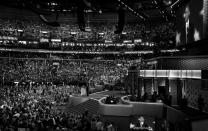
{"x":31,"y":88}
{"x":29,"y":94}
{"x":61,"y":71}
{"x":69,"y":34}
{"x":32,"y":108}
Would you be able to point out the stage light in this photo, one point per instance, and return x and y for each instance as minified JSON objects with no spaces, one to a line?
{"x":178,"y":38}
{"x":44,"y":19}
{"x":196,"y":35}
{"x":167,"y":2}
{"x":80,"y":18}
{"x":100,"y":11}
{"x":121,"y":20}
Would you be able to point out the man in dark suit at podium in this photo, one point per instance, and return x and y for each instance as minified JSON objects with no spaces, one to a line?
{"x":189,"y":29}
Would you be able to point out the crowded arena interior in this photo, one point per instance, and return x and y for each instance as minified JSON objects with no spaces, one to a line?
{"x":103,"y":65}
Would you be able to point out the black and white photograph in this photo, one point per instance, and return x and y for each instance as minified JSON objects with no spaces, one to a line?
{"x":103,"y":65}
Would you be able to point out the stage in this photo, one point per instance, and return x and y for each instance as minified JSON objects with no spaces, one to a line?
{"x":76,"y":101}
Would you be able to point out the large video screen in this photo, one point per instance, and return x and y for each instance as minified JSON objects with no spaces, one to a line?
{"x":191,"y":23}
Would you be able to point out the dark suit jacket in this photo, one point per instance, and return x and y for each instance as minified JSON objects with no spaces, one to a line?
{"x":190,"y":34}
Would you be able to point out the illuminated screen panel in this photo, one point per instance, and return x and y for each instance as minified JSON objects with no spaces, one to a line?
{"x":189,"y":74}
{"x":174,"y":74}
{"x":149,"y":73}
{"x":162,"y":73}
{"x":191,"y":23}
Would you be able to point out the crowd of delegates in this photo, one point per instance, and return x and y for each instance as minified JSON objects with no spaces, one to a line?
{"x":56,"y":94}
{"x":100,"y":32}
{"x":29,"y":102}
{"x":61,"y":70}
{"x":33,"y":108}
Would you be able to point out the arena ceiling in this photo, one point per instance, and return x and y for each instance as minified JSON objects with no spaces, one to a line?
{"x":148,"y":9}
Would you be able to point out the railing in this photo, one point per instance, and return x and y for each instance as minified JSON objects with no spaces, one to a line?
{"x":152,"y":109}
{"x":114,"y":109}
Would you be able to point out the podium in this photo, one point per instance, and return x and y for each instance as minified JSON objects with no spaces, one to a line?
{"x":133,"y":82}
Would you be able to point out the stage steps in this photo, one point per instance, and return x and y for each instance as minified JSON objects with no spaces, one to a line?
{"x":77,"y":100}
{"x":91,"y":105}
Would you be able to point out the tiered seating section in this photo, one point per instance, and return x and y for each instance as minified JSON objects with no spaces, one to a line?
{"x":24,"y":33}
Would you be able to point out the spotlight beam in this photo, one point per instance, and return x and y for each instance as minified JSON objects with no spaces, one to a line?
{"x":174,"y":3}
{"x":132,"y":10}
{"x":179,"y":3}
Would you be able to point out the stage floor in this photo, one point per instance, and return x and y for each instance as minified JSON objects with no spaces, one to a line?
{"x":95,"y":96}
